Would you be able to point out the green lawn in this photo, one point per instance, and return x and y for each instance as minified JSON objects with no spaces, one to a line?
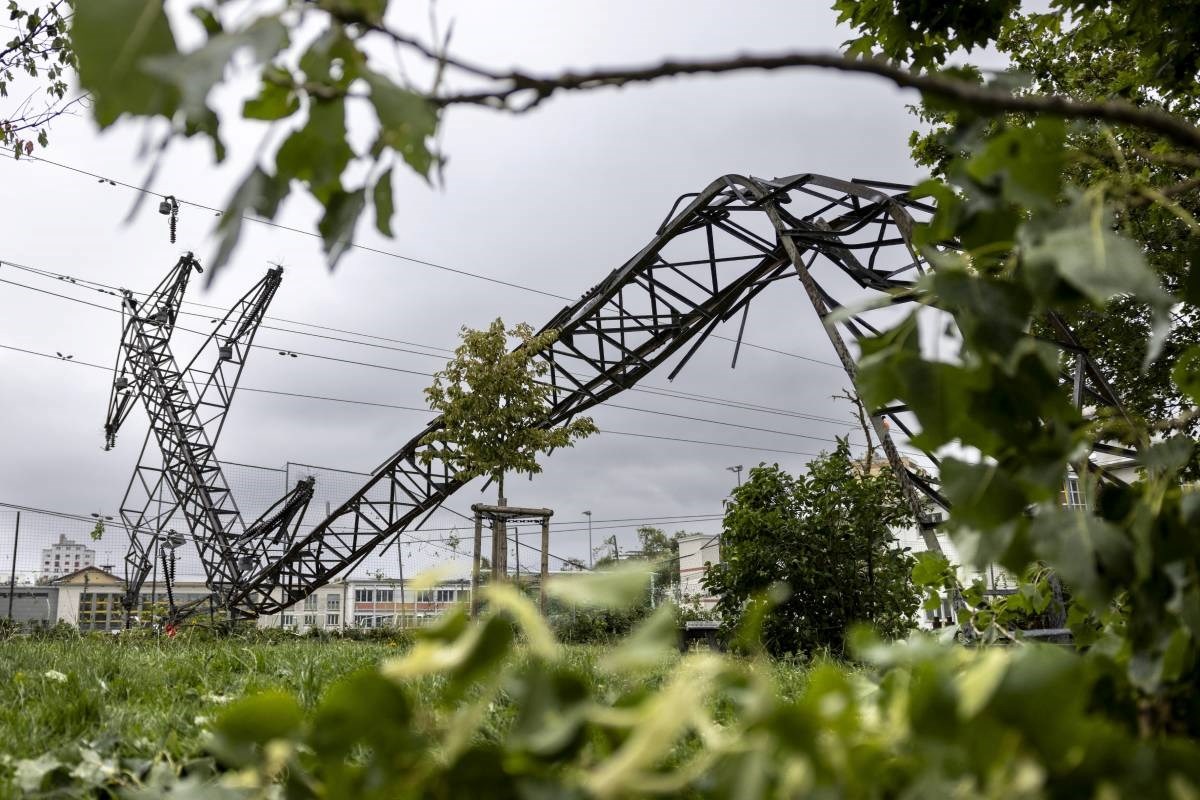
{"x":150,"y":696}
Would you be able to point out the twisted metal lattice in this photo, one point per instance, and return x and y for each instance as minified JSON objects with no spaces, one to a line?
{"x":849,"y":243}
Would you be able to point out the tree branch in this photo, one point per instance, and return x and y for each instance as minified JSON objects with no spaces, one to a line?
{"x":985,"y":98}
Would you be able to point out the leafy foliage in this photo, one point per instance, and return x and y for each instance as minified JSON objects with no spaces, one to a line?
{"x":39,"y":50}
{"x":1151,"y":186}
{"x":469,"y":711}
{"x":130,"y":62}
{"x":828,"y":538}
{"x":493,"y":405}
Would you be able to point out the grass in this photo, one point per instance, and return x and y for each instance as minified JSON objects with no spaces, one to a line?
{"x":150,"y":698}
{"x":145,"y":697}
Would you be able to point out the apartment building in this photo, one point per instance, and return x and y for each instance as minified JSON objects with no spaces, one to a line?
{"x":65,"y":557}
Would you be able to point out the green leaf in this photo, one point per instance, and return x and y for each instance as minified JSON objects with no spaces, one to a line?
{"x":318,"y":153}
{"x":259,"y":718}
{"x":196,"y":73}
{"x":1168,"y":456}
{"x":366,"y":708}
{"x":370,"y":10}
{"x":276,"y":100}
{"x":1186,"y":373}
{"x":1027,"y":160}
{"x":112,"y":41}
{"x":654,"y":639}
{"x":1091,"y":554}
{"x":983,"y":495}
{"x":978,"y":683}
{"x":30,"y":773}
{"x":336,"y":227}
{"x":407,"y":120}
{"x":384,"y":208}
{"x":929,"y":569}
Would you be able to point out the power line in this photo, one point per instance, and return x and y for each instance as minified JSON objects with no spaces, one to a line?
{"x":409,"y":408}
{"x":645,"y":389}
{"x":424,"y":374}
{"x":412,"y":534}
{"x":388,"y":253}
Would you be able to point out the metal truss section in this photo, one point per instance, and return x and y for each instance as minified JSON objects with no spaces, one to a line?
{"x":848,"y":243}
{"x":187,"y":409}
{"x":149,"y":504}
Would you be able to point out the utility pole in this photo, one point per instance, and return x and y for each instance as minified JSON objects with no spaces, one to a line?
{"x":475,"y":566}
{"x":12,"y":578}
{"x":591,"y":555}
{"x":545,"y":565}
{"x":400,"y":562}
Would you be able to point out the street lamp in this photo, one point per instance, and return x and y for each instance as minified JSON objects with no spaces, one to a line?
{"x":736,"y":470}
{"x":591,"y":563}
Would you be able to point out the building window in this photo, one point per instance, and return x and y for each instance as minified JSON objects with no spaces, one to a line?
{"x":310,"y":603}
{"x":333,"y":602}
{"x":288,"y":620}
{"x":445,"y":595}
{"x":384,"y":620}
{"x":425,"y":596}
{"x":362,"y":620}
{"x":383,"y":595}
{"x":332,"y":620}
{"x":310,"y":620}
{"x":362,"y":595}
{"x":1073,"y":494}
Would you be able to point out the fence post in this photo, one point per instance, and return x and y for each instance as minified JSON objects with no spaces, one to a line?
{"x":12,"y":578}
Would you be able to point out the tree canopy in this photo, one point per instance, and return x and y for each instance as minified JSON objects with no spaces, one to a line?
{"x":494,"y":404}
{"x":40,"y":53}
{"x":829,"y":537}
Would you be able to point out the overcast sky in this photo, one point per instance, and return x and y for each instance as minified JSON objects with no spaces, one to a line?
{"x":555,"y":199}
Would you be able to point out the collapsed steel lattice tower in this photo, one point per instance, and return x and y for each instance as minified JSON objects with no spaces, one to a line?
{"x":187,"y":409}
{"x":848,"y":243}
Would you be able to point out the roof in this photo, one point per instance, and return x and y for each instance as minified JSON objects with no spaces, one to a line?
{"x":90,"y":575}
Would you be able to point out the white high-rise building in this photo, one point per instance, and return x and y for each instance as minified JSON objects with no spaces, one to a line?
{"x":65,"y":557}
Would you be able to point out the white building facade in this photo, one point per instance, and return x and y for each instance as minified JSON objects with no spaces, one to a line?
{"x":64,"y":557}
